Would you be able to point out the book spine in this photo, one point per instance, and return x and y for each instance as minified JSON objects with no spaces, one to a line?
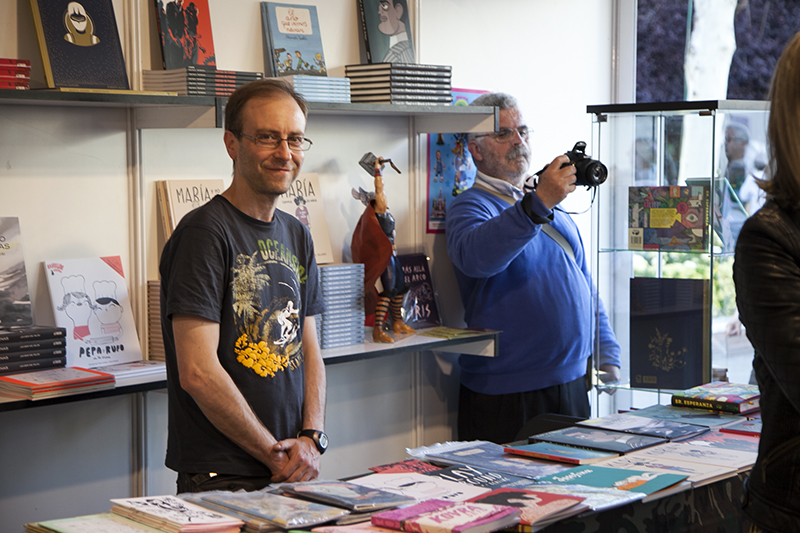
{"x":31,"y":334}
{"x":362,"y":17}
{"x":681,"y":401}
{"x":34,"y":364}
{"x":30,"y":346}
{"x":32,"y":354}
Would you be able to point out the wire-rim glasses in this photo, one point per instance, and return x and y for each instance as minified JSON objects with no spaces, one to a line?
{"x":296,"y":143}
{"x":504,"y":135}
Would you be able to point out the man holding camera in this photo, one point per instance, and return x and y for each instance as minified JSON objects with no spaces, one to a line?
{"x":521,"y":269}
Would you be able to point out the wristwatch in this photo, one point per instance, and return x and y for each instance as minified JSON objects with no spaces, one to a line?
{"x":320,"y":439}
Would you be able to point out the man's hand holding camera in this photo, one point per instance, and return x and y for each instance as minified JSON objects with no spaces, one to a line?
{"x":556,"y":181}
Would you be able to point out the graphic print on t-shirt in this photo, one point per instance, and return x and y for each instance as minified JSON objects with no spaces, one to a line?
{"x":266,"y":303}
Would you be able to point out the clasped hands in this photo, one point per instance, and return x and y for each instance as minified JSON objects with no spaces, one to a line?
{"x":294,"y":460}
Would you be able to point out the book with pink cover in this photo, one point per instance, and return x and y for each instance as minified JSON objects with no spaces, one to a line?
{"x":439,"y":516}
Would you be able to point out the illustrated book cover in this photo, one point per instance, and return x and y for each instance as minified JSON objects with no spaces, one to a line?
{"x":536,"y":508}
{"x":407,"y":465}
{"x":668,"y":218}
{"x":15,"y":301}
{"x":385,"y":32}
{"x":186,"y":36}
{"x":479,"y":477}
{"x":80,"y":44}
{"x":304,"y":201}
{"x":708,"y":455}
{"x":292,"y":40}
{"x":729,"y":441}
{"x":90,"y":299}
{"x":641,"y":425}
{"x":669,"y":334}
{"x":698,"y":474}
{"x":343,"y":494}
{"x":172,"y":512}
{"x":739,"y":398}
{"x":751,"y":428}
{"x":687,"y":415}
{"x":288,"y":513}
{"x":177,"y":197}
{"x":598,"y":439}
{"x":559,"y":452}
{"x":438,"y":516}
{"x":419,"y":303}
{"x":491,"y":456}
{"x":617,"y":478}
{"x":419,"y":486}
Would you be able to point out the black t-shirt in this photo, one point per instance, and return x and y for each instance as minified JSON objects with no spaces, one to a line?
{"x":259,"y":281}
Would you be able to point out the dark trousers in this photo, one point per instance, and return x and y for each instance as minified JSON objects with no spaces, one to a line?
{"x":499,"y":417}
{"x":203,"y":482}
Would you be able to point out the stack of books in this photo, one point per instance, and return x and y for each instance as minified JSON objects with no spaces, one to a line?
{"x":320,"y":88}
{"x":27,"y":348}
{"x":342,"y":323}
{"x":197,"y":80}
{"x":54,"y":382}
{"x":137,"y":372}
{"x":400,"y":83}
{"x":169,"y":513}
{"x":155,"y":339}
{"x":15,"y":73}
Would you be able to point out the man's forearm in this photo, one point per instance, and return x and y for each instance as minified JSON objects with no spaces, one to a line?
{"x":315,"y":379}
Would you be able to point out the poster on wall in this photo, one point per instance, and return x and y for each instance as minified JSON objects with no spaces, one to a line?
{"x":450,"y":167}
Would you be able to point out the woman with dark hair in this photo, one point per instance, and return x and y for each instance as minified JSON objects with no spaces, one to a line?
{"x":767,"y":276}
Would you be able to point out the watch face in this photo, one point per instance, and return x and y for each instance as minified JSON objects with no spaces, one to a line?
{"x":323,"y":440}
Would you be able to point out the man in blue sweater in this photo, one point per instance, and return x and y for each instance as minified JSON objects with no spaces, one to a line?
{"x":515,"y":277}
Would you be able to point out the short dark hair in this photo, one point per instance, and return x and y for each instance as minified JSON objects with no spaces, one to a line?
{"x":270,"y":88}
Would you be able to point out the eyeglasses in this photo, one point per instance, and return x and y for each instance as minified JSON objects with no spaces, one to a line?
{"x":504,"y":135}
{"x":296,"y":143}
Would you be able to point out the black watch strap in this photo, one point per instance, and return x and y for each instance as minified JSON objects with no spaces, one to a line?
{"x":320,"y":439}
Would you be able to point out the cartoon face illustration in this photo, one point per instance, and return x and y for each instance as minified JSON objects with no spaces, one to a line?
{"x":390,"y":13}
{"x":79,"y":26}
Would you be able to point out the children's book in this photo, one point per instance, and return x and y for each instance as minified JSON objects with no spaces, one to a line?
{"x":407,"y":465}
{"x":744,"y":427}
{"x":479,"y":477}
{"x":90,"y":299}
{"x":80,"y":44}
{"x":438,"y":516}
{"x":699,"y":474}
{"x":598,"y":439}
{"x":162,"y":512}
{"x":617,"y":478}
{"x":292,"y":40}
{"x":177,"y":197}
{"x":687,"y":415}
{"x":303,"y":201}
{"x":693,"y":453}
{"x":419,"y":303}
{"x":639,"y":425}
{"x":669,"y":334}
{"x":15,"y":301}
{"x":96,"y":523}
{"x":492,"y":456}
{"x":739,"y":398}
{"x":420,"y":486}
{"x":186,"y":37}
{"x":558,"y":452}
{"x":668,"y":218}
{"x":537,"y":509}
{"x":385,"y":32}
{"x":288,"y":513}
{"x":343,"y":494}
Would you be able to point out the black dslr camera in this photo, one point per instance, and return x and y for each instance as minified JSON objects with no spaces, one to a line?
{"x":589,"y":172}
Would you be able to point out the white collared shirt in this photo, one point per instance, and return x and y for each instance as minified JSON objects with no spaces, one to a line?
{"x":499,"y":186}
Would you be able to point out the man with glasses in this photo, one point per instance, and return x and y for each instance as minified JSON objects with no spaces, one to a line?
{"x":521,"y":269}
{"x":239,"y":291}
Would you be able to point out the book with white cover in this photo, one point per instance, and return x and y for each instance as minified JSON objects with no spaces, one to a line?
{"x":420,"y":486}
{"x":686,"y":451}
{"x":96,"y":523}
{"x":699,"y":473}
{"x":178,"y":197}
{"x":172,"y":512}
{"x":303,"y":201}
{"x":90,"y":299}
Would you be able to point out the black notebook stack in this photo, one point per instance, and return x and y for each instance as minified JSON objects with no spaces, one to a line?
{"x":400,"y":83}
{"x":29,"y":348}
{"x":342,"y":323}
{"x":197,"y":80}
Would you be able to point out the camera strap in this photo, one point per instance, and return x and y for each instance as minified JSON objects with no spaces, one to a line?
{"x":548,"y":230}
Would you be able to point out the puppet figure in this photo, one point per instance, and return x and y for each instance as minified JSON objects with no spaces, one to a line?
{"x":373,"y":245}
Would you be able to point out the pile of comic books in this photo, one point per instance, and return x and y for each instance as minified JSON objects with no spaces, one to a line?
{"x":15,"y":73}
{"x":342,"y":322}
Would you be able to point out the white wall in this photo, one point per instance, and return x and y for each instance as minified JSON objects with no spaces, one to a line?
{"x":64,"y":172}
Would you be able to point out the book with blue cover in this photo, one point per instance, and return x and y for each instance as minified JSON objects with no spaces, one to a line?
{"x":561,"y":453}
{"x":292,"y":40}
{"x":598,"y":439}
{"x":639,"y":425}
{"x":491,"y":456}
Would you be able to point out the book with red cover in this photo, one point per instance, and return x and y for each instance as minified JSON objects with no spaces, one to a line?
{"x":439,"y":516}
{"x":748,"y":427}
{"x":185,"y":30}
{"x":55,"y":382}
{"x":537,"y":509}
{"x":408,"y":465}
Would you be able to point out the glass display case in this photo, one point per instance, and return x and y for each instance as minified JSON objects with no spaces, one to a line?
{"x":682,"y":180}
